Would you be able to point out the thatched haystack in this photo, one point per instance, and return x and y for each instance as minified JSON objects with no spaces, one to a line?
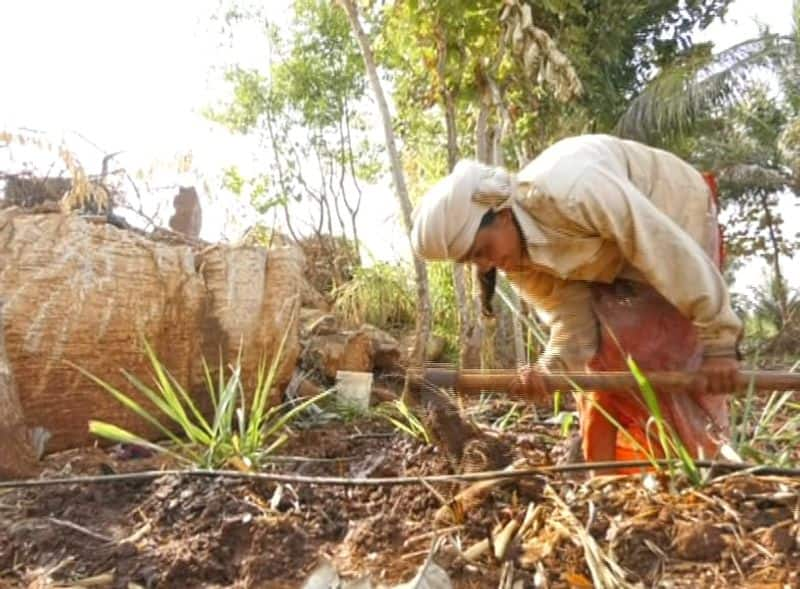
{"x":17,"y":457}
{"x":88,"y":293}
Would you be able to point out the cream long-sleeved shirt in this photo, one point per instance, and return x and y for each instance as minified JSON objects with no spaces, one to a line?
{"x":595,"y":208}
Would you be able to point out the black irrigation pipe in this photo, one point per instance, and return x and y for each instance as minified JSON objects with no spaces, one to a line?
{"x":719,"y":467}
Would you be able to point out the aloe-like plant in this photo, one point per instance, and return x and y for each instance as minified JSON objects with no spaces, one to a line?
{"x":239,"y":434}
{"x":402,"y":418}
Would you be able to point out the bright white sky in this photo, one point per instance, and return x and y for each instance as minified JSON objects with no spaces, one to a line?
{"x":135,"y":76}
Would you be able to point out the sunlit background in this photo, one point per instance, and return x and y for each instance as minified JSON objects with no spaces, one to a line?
{"x":115,"y":75}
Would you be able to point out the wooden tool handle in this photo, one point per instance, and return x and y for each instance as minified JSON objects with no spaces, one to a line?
{"x":473,"y":381}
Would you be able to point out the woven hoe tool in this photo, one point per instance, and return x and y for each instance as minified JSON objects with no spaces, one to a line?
{"x":475,"y":381}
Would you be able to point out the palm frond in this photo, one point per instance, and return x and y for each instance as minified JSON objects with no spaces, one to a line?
{"x":754,"y":175}
{"x":684,"y":93}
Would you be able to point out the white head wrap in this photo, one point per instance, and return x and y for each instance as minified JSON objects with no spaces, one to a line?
{"x":447,"y":218}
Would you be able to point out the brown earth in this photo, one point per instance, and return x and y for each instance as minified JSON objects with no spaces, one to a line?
{"x":179,"y":531}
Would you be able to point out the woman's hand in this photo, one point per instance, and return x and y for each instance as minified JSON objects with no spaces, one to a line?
{"x":530,"y":386}
{"x":720,"y":375}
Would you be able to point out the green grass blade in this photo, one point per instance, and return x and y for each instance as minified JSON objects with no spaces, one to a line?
{"x":670,"y":441}
{"x":272,"y":428}
{"x":175,"y":397}
{"x":280,"y":441}
{"x":227,"y":405}
{"x":402,"y":427}
{"x":165,"y":388}
{"x":209,"y":382}
{"x":154,"y":397}
{"x":200,"y":424}
{"x":260,"y":394}
{"x":168,"y":406}
{"x":117,"y":434}
{"x":262,"y":391}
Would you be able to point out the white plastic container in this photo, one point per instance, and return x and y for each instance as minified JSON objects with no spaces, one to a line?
{"x":354,"y":388}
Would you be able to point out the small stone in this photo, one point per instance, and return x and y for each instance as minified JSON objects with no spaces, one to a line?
{"x":779,"y":539}
{"x":126,"y":550}
{"x":701,"y":541}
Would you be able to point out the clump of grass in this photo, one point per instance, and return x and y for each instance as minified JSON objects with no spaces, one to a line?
{"x":771,"y":435}
{"x":238,"y":435}
{"x":508,"y":419}
{"x":379,"y":294}
{"x":402,"y":418}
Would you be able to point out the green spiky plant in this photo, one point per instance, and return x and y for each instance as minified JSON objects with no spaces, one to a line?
{"x":508,"y":419}
{"x":402,"y":418}
{"x":239,"y":434}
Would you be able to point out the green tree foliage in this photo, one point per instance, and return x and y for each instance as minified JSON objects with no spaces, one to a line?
{"x":611,"y":47}
{"x":501,"y":82}
{"x":745,"y":148}
{"x":306,"y":105}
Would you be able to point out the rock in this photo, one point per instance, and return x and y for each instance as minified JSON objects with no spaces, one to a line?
{"x":387,"y":354}
{"x":434,"y":347}
{"x":29,"y":192}
{"x":317,"y":322}
{"x":86,"y":293}
{"x":340,"y":351}
{"x":188,"y":216}
{"x":362,"y":350}
{"x":17,"y":457}
{"x":780,"y":538}
{"x":330,"y":261}
{"x":701,"y":541}
{"x":311,"y":297}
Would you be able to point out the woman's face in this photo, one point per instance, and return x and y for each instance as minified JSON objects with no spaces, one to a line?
{"x":498,"y":245}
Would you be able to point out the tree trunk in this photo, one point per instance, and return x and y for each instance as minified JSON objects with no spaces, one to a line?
{"x":423,"y":326}
{"x":510,"y":344}
{"x":780,"y":293}
{"x":449,"y":110}
{"x":17,"y":458}
{"x":469,"y":335}
{"x":520,"y":356}
{"x":482,"y":132}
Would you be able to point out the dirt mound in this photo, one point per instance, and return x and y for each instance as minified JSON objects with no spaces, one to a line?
{"x":180,"y":531}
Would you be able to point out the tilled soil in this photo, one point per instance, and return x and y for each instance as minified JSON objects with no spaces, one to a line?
{"x":182,"y":531}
